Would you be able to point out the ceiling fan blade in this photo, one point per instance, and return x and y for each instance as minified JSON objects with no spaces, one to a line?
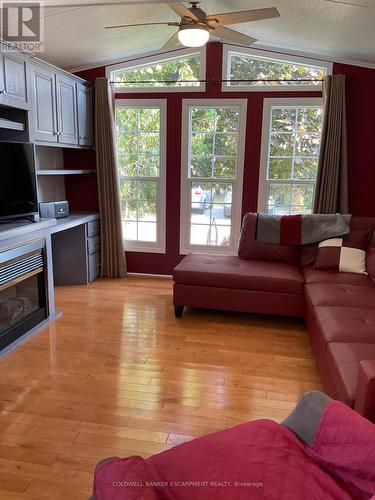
{"x":234,"y":36}
{"x":139,"y":24}
{"x":244,"y":16}
{"x":172,"y":42}
{"x":181,"y":10}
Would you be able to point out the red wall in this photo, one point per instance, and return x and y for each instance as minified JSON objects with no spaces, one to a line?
{"x":361,"y":100}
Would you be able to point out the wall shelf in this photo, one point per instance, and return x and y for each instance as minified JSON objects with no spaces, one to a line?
{"x":11,"y":125}
{"x":66,"y":172}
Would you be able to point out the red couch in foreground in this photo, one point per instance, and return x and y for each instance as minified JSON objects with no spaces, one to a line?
{"x":339,"y":308}
{"x":323,"y":450}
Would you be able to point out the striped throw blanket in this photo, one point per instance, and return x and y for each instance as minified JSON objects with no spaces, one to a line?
{"x":301,"y":229}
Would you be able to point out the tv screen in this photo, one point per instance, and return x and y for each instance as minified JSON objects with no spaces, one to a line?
{"x":18,"y":194}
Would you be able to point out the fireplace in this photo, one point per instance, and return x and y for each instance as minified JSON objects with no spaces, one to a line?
{"x":22,"y":290}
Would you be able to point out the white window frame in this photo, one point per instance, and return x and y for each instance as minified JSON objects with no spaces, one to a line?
{"x":185,"y":198}
{"x":148,"y":246}
{"x":273,"y":57}
{"x":135,"y":63}
{"x":263,"y":188}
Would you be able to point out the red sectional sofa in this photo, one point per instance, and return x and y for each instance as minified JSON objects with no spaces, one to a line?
{"x":339,"y":308}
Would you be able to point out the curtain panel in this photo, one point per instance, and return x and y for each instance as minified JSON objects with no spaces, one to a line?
{"x":331,"y":192}
{"x":113,"y":262}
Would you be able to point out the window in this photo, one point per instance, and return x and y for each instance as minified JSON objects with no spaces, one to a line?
{"x":290,"y":151}
{"x":184,"y":68}
{"x":212,"y":173}
{"x":141,"y":162}
{"x":251,"y":64}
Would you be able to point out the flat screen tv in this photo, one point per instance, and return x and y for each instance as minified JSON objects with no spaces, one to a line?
{"x":18,"y":195}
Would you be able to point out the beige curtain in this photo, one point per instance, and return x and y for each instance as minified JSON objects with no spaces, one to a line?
{"x":113,"y":262}
{"x":331,"y":194}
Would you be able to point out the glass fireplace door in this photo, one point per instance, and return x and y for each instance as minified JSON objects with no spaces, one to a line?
{"x":22,"y":290}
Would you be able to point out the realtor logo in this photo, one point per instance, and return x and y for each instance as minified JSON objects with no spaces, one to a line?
{"x":22,"y":25}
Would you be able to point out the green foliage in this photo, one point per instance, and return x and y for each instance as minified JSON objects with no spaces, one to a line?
{"x":244,"y":67}
{"x":175,"y":70}
{"x":294,"y":151}
{"x":213,"y":143}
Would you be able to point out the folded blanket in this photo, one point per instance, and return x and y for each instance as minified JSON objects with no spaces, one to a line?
{"x":301,"y":229}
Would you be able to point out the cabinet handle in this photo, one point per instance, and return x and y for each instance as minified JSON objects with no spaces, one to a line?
{"x":3,"y":91}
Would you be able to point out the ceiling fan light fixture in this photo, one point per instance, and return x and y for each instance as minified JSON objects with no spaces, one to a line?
{"x":193,"y":35}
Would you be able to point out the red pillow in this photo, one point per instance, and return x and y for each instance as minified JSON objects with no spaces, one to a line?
{"x":346,"y":255}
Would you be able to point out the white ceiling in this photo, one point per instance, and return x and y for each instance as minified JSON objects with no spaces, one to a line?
{"x":76,"y":38}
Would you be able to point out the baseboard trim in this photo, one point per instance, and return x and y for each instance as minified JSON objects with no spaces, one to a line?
{"x":149,"y":275}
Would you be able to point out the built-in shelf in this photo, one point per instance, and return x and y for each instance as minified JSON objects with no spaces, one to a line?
{"x":65,"y":172}
{"x":11,"y":125}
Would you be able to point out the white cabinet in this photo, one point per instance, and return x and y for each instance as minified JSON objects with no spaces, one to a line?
{"x":43,"y":116}
{"x":13,"y":80}
{"x":61,"y":111}
{"x":66,"y":100}
{"x":85,"y":115}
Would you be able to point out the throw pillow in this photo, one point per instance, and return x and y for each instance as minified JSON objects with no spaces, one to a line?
{"x":346,"y":255}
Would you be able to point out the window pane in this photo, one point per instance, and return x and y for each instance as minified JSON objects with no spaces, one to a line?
{"x":130,"y":229}
{"x":138,"y":144}
{"x":202,"y":120}
{"x":225,"y":168}
{"x":305,"y":168}
{"x":282,"y":145}
{"x":214,"y":235}
{"x":127,"y":165}
{"x":293,"y":156}
{"x":280,"y":168}
{"x":147,"y":190}
{"x":152,"y":74}
{"x":149,"y":120}
{"x":307,"y":144}
{"x":310,"y":120}
{"x":129,"y":199}
{"x":213,"y":150}
{"x":202,"y":144}
{"x":279,"y":199}
{"x":302,"y":198}
{"x":213,"y":142}
{"x":147,"y":231}
{"x":283,"y":119}
{"x":249,"y":67}
{"x":227,"y":120}
{"x":225,"y":144}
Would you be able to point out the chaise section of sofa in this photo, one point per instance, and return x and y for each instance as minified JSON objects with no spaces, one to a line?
{"x":338,"y":307}
{"x":229,"y":283}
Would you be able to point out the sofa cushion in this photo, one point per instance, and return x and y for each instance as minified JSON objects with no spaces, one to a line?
{"x":343,"y":254}
{"x":312,"y":275}
{"x":345,"y":324}
{"x":251,"y":249}
{"x":343,"y":360}
{"x":231,"y":272}
{"x":340,"y":294}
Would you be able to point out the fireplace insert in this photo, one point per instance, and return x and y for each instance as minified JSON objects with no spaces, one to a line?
{"x":22,"y":290}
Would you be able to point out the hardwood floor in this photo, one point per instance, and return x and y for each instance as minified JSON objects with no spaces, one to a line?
{"x":117,"y":374}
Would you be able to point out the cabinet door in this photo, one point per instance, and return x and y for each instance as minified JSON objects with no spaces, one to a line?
{"x":13,"y":91}
{"x":43,"y":112}
{"x":85,"y":115}
{"x":66,"y":110}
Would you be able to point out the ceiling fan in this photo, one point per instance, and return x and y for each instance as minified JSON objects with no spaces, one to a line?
{"x":195,"y":25}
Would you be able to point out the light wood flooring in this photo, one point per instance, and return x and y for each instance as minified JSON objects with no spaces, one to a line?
{"x":117,"y":374}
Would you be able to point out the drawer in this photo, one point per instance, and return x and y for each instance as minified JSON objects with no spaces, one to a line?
{"x":93,"y":227}
{"x":93,"y":244}
{"x":94,"y":266}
